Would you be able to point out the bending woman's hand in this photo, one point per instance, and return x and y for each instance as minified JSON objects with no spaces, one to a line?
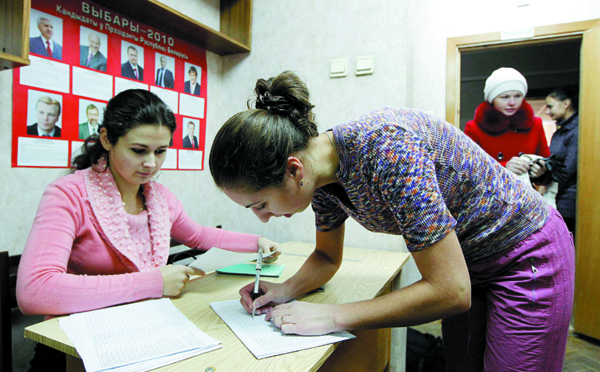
{"x":271,"y":294}
{"x":175,"y":278}
{"x":304,"y":318}
{"x":268,"y":246}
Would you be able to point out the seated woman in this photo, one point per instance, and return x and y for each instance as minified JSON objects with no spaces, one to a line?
{"x":101,"y":234}
{"x":505,"y":125}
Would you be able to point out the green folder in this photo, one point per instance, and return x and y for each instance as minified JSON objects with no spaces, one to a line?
{"x":250,"y":269}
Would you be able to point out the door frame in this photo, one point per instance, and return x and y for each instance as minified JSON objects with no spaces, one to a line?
{"x":587,"y":300}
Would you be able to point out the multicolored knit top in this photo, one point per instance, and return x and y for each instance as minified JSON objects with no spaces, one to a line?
{"x":407,"y":173}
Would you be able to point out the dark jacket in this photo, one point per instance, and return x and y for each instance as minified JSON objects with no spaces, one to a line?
{"x":564,"y":148}
{"x":33,"y":130}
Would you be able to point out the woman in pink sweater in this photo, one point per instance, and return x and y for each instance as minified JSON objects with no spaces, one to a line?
{"x":101,"y":234}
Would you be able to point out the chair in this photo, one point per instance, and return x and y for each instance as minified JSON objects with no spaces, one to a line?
{"x":182,"y":254}
{"x":8,"y":301}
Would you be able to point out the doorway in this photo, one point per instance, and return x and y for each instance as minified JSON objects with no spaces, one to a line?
{"x":586,"y":319}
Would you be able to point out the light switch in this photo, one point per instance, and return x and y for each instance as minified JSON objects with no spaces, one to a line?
{"x":364,"y":65}
{"x":338,"y":68}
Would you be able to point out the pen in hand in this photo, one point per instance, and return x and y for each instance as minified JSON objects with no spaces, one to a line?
{"x":254,"y":295}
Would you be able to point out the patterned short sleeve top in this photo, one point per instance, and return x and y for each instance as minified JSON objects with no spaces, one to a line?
{"x":407,"y":173}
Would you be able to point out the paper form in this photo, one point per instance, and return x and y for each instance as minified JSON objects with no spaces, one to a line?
{"x":217,"y":258}
{"x":136,"y":337}
{"x":273,"y":271}
{"x":263,"y":339}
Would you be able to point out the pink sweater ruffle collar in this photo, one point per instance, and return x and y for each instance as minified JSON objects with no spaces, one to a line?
{"x":110,"y":219}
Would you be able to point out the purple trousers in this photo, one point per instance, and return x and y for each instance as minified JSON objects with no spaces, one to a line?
{"x":521,"y":306}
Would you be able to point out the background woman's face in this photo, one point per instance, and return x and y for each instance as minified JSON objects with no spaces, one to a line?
{"x":555,"y":109}
{"x":508,"y":102}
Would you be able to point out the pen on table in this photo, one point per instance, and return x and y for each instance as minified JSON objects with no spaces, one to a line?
{"x":254,"y":294}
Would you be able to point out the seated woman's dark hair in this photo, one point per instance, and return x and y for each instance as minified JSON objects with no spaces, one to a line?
{"x":251,"y":148}
{"x":124,"y":112}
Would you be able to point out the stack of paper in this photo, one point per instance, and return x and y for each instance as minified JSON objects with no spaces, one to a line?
{"x":135,"y":337}
{"x":264,"y":339}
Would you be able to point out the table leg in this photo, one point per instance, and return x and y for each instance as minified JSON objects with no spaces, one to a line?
{"x":74,"y":364}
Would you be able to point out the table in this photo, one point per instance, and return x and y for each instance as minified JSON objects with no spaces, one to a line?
{"x":364,"y":274}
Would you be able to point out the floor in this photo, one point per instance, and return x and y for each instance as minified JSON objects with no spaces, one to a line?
{"x":583,"y":353}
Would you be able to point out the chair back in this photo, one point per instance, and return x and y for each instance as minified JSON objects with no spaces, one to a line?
{"x":5,"y":314}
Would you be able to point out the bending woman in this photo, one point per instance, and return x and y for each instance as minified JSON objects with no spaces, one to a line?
{"x":489,"y":250}
{"x":505,"y":125}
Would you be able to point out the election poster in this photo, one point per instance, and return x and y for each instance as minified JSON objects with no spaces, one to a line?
{"x":82,"y":54}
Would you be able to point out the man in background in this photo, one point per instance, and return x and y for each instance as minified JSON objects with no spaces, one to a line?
{"x":44,"y":45}
{"x":90,"y":56}
{"x":164,"y":76}
{"x":130,"y":69}
{"x":190,"y":141}
{"x":90,"y":127}
{"x":191,"y":86}
{"x":47,"y":111}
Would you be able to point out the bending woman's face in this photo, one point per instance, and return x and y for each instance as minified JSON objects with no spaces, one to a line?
{"x":138,"y":155}
{"x":277,"y":201}
{"x":508,"y":102}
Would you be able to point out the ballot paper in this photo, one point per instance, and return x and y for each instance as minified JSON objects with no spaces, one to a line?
{"x":263,"y":339}
{"x":217,"y":258}
{"x":135,"y":337}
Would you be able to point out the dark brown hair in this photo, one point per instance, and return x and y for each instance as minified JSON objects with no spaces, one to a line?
{"x":563,"y":94}
{"x":251,"y":148}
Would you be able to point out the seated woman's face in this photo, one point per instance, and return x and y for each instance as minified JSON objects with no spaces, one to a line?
{"x":508,"y":102}
{"x":138,"y":155}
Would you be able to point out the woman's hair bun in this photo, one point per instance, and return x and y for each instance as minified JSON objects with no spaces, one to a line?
{"x":274,"y":104}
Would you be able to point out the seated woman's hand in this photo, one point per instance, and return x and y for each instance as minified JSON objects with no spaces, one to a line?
{"x":175,"y":278}
{"x":267,"y":246}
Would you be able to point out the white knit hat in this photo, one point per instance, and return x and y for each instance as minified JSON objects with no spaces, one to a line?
{"x":503,"y":80}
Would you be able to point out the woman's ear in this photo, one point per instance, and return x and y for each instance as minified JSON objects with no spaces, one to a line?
{"x":104,"y":139}
{"x":568,"y":103}
{"x":295,"y":169}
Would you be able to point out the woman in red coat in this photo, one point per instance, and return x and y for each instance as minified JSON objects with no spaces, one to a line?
{"x":505,"y":125}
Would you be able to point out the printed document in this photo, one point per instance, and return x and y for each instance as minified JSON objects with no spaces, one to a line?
{"x":264,"y":339}
{"x":135,"y":337}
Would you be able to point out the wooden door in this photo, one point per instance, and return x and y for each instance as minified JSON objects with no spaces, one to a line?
{"x":586,"y":314}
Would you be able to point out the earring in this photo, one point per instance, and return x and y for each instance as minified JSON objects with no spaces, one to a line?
{"x":301,"y":183}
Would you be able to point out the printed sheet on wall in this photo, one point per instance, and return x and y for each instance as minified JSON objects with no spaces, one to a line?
{"x":83,"y":54}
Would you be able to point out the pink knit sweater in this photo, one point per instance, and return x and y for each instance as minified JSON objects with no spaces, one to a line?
{"x":85,"y":252}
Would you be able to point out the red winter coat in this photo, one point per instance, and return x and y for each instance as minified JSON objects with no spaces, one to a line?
{"x":504,"y":137}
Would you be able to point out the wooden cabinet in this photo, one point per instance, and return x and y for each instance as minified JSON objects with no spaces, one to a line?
{"x":234,"y":37}
{"x":236,"y":23}
{"x":14,"y":33}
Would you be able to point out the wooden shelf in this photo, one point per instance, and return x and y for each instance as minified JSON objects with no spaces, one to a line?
{"x":236,"y":23}
{"x":14,"y":33}
{"x":235,"y":35}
